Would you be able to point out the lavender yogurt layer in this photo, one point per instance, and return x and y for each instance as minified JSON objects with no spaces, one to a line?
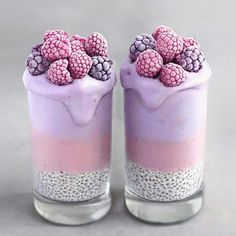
{"x":165,"y":92}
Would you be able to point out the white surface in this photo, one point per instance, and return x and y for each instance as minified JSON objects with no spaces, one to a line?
{"x":212,"y":22}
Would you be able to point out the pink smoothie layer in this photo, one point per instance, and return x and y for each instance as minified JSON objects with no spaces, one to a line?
{"x":165,"y":126}
{"x":52,"y":153}
{"x":166,"y":157}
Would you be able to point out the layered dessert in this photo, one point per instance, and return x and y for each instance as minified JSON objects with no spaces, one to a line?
{"x":165,"y":90}
{"x":69,"y":82}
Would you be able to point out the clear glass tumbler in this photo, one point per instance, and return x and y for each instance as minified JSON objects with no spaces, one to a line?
{"x":71,"y":148}
{"x":165,"y":136}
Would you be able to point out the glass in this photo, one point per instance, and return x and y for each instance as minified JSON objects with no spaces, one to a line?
{"x":71,"y":148}
{"x":165,"y":137}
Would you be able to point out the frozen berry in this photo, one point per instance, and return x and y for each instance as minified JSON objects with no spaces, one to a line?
{"x":36,"y":64}
{"x":149,"y":63}
{"x":101,"y":68}
{"x":141,"y":43}
{"x":191,"y":59}
{"x":159,"y":30}
{"x":49,"y":33}
{"x":37,"y":47}
{"x":79,"y":64}
{"x":58,"y":73}
{"x":77,"y":43}
{"x":96,"y":45}
{"x":172,"y":75}
{"x":169,"y":45}
{"x":56,"y":47}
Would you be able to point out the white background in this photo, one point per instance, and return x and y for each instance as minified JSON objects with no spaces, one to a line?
{"x":22,"y":24}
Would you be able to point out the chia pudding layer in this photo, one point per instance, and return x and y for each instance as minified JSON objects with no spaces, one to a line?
{"x":165,"y":134}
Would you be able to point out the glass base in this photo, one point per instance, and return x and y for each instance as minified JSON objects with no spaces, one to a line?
{"x":163,"y":212}
{"x":72,"y":213}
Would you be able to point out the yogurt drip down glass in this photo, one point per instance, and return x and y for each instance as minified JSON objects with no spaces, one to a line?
{"x":71,"y":147}
{"x":165,"y":136}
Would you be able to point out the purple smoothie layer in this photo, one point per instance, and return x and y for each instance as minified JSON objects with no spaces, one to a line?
{"x":76,"y":110}
{"x":159,"y":112}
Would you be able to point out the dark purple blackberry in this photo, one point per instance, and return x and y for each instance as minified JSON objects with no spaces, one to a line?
{"x":36,"y":64}
{"x":37,"y":47}
{"x":101,"y":68}
{"x":141,"y":43}
{"x":191,"y":59}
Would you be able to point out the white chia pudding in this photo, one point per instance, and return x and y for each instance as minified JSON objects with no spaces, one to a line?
{"x":63,"y":186}
{"x":164,"y":186}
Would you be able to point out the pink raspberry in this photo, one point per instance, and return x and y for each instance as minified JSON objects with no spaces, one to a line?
{"x":159,"y":30}
{"x":190,"y":42}
{"x":96,"y":45}
{"x":56,"y":47}
{"x":172,"y":75}
{"x":58,"y":73}
{"x":79,"y":64}
{"x":169,"y":45}
{"x":149,"y":63}
{"x":77,"y":43}
{"x":49,"y":33}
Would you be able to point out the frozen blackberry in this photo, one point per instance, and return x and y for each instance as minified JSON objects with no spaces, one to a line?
{"x":101,"y":68}
{"x":191,"y":59}
{"x":36,"y":64}
{"x":142,"y":42}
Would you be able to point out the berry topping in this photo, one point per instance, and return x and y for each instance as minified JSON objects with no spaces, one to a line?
{"x":96,"y":45}
{"x":149,"y":63}
{"x":56,"y":47}
{"x":169,"y":45}
{"x":142,"y":42}
{"x":58,"y":73}
{"x":190,"y":42}
{"x":172,"y":75}
{"x":37,"y":47}
{"x":159,"y":30}
{"x":36,"y":63}
{"x":79,"y":64}
{"x":101,"y":68}
{"x":49,"y":33}
{"x":77,"y":43}
{"x":191,"y":59}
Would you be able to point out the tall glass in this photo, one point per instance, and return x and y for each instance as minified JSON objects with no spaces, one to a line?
{"x":71,"y":148}
{"x":165,"y":136}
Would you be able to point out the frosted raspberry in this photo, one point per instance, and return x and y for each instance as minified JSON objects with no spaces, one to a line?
{"x":37,"y":47}
{"x":49,"y":33}
{"x":149,"y":63}
{"x":101,"y":68}
{"x":77,"y":43}
{"x":79,"y":64}
{"x":190,"y":42}
{"x":36,"y":64}
{"x":169,"y":45}
{"x":58,"y":73}
{"x":191,"y":59}
{"x":96,"y":45}
{"x":172,"y":75}
{"x":159,"y":30}
{"x":56,"y":47}
{"x":141,"y":43}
